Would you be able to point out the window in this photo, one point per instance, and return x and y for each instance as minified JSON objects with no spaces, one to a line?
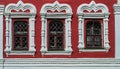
{"x":93,"y":34}
{"x":56,"y":36}
{"x":20,"y":36}
{"x":18,"y":42}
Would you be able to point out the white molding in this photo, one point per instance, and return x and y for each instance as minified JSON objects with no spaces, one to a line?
{"x":117,"y":9}
{"x":104,"y":14}
{"x":1,"y":9}
{"x":62,"y":62}
{"x":93,"y":50}
{"x":56,"y":15}
{"x":118,"y":1}
{"x":21,"y":53}
{"x":30,"y":15}
{"x":57,"y":53}
{"x":1,"y":30}
{"x":64,"y":15}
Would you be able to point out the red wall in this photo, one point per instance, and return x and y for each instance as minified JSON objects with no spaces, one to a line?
{"x":76,"y":54}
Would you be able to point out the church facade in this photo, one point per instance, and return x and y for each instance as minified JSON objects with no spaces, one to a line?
{"x":59,"y":34}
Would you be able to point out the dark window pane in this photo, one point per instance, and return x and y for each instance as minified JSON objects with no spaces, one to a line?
{"x":93,"y":34}
{"x":97,"y":40}
{"x":20,"y":35}
{"x":60,"y":42}
{"x":17,"y":42}
{"x":56,"y":35}
{"x":97,"y":32}
{"x":89,"y":41}
{"x":89,"y":32}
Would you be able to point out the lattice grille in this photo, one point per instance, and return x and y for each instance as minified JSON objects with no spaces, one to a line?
{"x":56,"y":35}
{"x":93,"y":33}
{"x":20,"y":35}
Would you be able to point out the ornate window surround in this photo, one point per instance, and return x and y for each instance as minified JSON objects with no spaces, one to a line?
{"x":96,"y":15}
{"x":56,"y":15}
{"x":30,"y":15}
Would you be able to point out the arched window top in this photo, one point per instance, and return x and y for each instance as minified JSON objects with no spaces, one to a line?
{"x":56,"y":6}
{"x":20,"y":6}
{"x":102,"y":8}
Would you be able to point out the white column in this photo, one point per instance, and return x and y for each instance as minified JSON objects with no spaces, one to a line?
{"x":117,"y":36}
{"x":117,"y":30}
{"x":68,"y":35}
{"x":7,"y":49}
{"x":32,"y":34}
{"x":81,"y":33}
{"x":106,"y":33}
{"x":118,"y":1}
{"x":1,"y":31}
{"x":1,"y":36}
{"x":43,"y":36}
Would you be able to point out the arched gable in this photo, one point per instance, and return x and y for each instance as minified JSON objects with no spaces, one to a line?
{"x":20,"y":6}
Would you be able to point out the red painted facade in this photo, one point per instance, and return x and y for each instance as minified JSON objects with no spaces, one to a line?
{"x":74,"y":27}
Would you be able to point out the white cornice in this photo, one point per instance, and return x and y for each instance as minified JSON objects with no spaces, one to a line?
{"x":117,"y":9}
{"x":1,"y":9}
{"x":62,"y":62}
{"x":94,"y":15}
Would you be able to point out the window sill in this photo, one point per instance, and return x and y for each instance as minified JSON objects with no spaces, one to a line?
{"x":21,"y":53}
{"x":57,"y":53}
{"x":93,"y":50}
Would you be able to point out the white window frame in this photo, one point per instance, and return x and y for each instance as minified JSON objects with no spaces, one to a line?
{"x":56,"y":15}
{"x":31,"y":16}
{"x":96,"y":15}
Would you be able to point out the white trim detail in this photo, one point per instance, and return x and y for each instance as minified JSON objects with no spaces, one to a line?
{"x":30,"y":15}
{"x":60,"y":63}
{"x":1,"y":31}
{"x":66,"y":15}
{"x":67,"y":63}
{"x":96,"y":15}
